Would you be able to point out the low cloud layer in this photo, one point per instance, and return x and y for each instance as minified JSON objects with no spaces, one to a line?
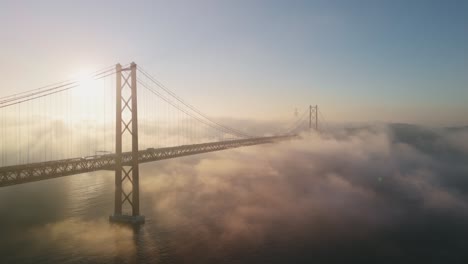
{"x":363,"y":194}
{"x":367,"y":192}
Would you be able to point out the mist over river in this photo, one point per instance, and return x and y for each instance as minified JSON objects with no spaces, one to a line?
{"x":367,"y":194}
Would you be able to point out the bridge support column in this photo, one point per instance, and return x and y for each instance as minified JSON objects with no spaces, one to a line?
{"x":316,"y":118}
{"x":313,"y":110}
{"x":127,"y":192}
{"x":310,"y":117}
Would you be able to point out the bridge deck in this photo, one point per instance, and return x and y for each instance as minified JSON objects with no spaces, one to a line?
{"x":53,"y":169}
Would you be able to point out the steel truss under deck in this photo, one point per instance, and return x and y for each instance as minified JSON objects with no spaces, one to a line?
{"x":19,"y":174}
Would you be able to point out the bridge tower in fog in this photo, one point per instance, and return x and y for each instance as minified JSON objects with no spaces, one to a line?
{"x":313,"y":117}
{"x":127,"y":180}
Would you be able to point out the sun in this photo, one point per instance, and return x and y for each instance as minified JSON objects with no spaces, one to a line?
{"x":88,"y":99}
{"x":86,"y":85}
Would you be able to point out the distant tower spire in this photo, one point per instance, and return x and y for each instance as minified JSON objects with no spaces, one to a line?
{"x":316,"y":118}
{"x":315,"y":110}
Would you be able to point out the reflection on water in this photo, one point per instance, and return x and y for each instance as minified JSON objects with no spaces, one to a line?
{"x":66,"y":221}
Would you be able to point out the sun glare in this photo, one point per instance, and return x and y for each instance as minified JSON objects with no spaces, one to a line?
{"x":86,"y":85}
{"x":88,"y":92}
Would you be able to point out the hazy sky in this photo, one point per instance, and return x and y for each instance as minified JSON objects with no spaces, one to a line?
{"x":401,"y":61}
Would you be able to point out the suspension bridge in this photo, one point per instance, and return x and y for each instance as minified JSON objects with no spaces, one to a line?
{"x":103,"y":122}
